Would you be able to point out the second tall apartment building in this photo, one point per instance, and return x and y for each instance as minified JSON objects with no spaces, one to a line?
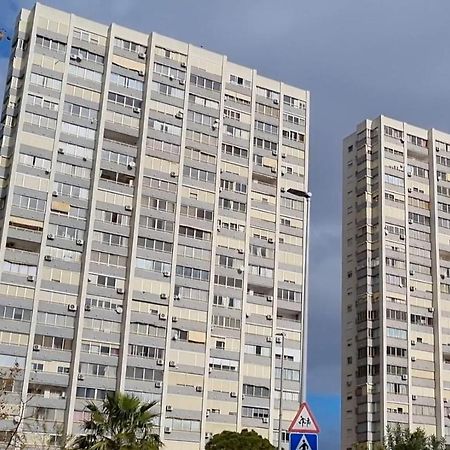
{"x":396,"y":281}
{"x":154,"y":210}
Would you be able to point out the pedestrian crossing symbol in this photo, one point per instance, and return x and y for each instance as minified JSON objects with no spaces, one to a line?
{"x":303,"y":442}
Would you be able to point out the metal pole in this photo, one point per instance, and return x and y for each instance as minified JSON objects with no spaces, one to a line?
{"x":304,"y":353}
{"x":280,"y":415}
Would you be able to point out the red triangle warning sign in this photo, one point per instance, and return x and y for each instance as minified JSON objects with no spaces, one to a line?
{"x":304,"y":421}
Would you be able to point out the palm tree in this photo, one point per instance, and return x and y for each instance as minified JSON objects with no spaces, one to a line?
{"x":122,"y":422}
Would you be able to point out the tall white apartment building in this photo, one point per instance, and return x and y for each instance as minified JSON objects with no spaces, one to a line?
{"x":154,"y":208}
{"x":395,"y":281}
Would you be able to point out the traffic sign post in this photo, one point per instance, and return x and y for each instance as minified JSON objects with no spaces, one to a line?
{"x":304,"y":430}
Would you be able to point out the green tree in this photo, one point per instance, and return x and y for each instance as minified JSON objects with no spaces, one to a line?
{"x":122,"y":422}
{"x":245,"y":440}
{"x":401,"y":438}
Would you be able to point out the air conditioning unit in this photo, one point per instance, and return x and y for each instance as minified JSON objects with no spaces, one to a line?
{"x":73,"y":57}
{"x":276,"y":101}
{"x":79,"y":242}
{"x":136,"y":110}
{"x":208,"y":435}
{"x":141,"y":55}
{"x":413,"y":342}
{"x":405,"y":377}
{"x":131,"y":165}
{"x":283,"y":189}
{"x":166,"y":274}
{"x":63,"y":395}
{"x":269,"y":298}
{"x":241,"y":251}
{"x":182,"y":82}
{"x":198,"y":389}
{"x":120,"y":290}
{"x":283,"y":155}
{"x":265,"y":420}
{"x":270,"y":240}
{"x":175,"y":337}
{"x":163,"y":296}
{"x":158,"y":384}
{"x":162,"y":316}
{"x":50,"y":236}
{"x":47,"y":257}
{"x":241,"y":269}
{"x":36,"y":348}
{"x":128,"y":208}
{"x":141,"y":73}
{"x":183,"y":64}
{"x":80,"y":377}
{"x":402,"y":237}
{"x":274,"y":153}
{"x":414,"y":397}
{"x":171,"y":77}
{"x":173,"y":174}
{"x":278,"y":339}
{"x":431,"y":309}
{"x":269,"y":317}
{"x":207,"y":413}
{"x":87,"y":307}
{"x":55,"y":193}
{"x":159,"y":362}
{"x":411,"y":272}
{"x":250,"y":292}
{"x":179,"y":115}
{"x":172,"y":364}
{"x":273,"y":170}
{"x":169,"y":408}
{"x":72,"y":307}
{"x":177,"y":297}
{"x":445,"y":400}
{"x":412,"y":288}
{"x":30,"y":278}
{"x":174,"y":319}
{"x":410,"y":221}
{"x":268,"y":339}
{"x":233,"y":394}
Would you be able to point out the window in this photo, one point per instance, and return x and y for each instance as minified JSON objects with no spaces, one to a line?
{"x":129,"y":46}
{"x":197,"y":213}
{"x":267,"y":93}
{"x":110,"y":239}
{"x":294,"y":102}
{"x":13,"y":313}
{"x":72,"y":170}
{"x":109,"y":259}
{"x":124,"y":100}
{"x":265,"y":144}
{"x":155,"y":224}
{"x":23,"y":201}
{"x":158,"y":204}
{"x":239,"y":81}
{"x":127,"y":82}
{"x":396,"y":333}
{"x":197,"y":155}
{"x":253,"y":412}
{"x":232,"y":150}
{"x":236,"y":132}
{"x":203,"y":101}
{"x":153,"y":265}
{"x":293,"y":136}
{"x":87,"y":55}
{"x":169,"y":72}
{"x":419,"y":219}
{"x":165,"y":89}
{"x":228,"y":281}
{"x":266,"y":127}
{"x":260,"y":271}
{"x":140,"y":373}
{"x":72,"y":191}
{"x":143,"y":351}
{"x":51,"y":44}
{"x":188,"y":425}
{"x":290,"y":296}
{"x":86,"y":74}
{"x":199,"y":174}
{"x":205,"y":83}
{"x":154,"y":244}
{"x":164,"y":127}
{"x":267,"y":110}
{"x":191,"y":293}
{"x":392,"y":132}
{"x":226,"y":302}
{"x":228,"y":365}
{"x":390,"y":179}
{"x":162,"y":146}
{"x":54,"y":343}
{"x":35,"y":100}
{"x":193,"y":252}
{"x":86,"y":36}
{"x":233,"y":205}
{"x":293,"y":119}
{"x":194,"y":233}
{"x":417,"y":140}
{"x":257,"y":350}
{"x":78,"y":131}
{"x":171,"y":54}
{"x":202,"y":138}
{"x":76,"y":150}
{"x":193,"y":273}
{"x":256,"y":391}
{"x":146,"y":329}
{"x":40,"y":121}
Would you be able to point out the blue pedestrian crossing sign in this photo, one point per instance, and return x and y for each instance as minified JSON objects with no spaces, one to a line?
{"x":299,"y":441}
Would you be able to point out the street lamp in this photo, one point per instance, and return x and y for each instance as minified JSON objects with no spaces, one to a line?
{"x":304,"y":349}
{"x":304,"y":307}
{"x":280,"y":406}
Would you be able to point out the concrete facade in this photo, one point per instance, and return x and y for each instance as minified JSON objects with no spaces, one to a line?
{"x":152,"y":229}
{"x":395,"y":280}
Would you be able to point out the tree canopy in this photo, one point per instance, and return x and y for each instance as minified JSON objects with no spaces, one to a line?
{"x":245,"y":440}
{"x":122,"y":422}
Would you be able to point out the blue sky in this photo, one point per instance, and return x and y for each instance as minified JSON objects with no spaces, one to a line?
{"x":359,"y":59}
